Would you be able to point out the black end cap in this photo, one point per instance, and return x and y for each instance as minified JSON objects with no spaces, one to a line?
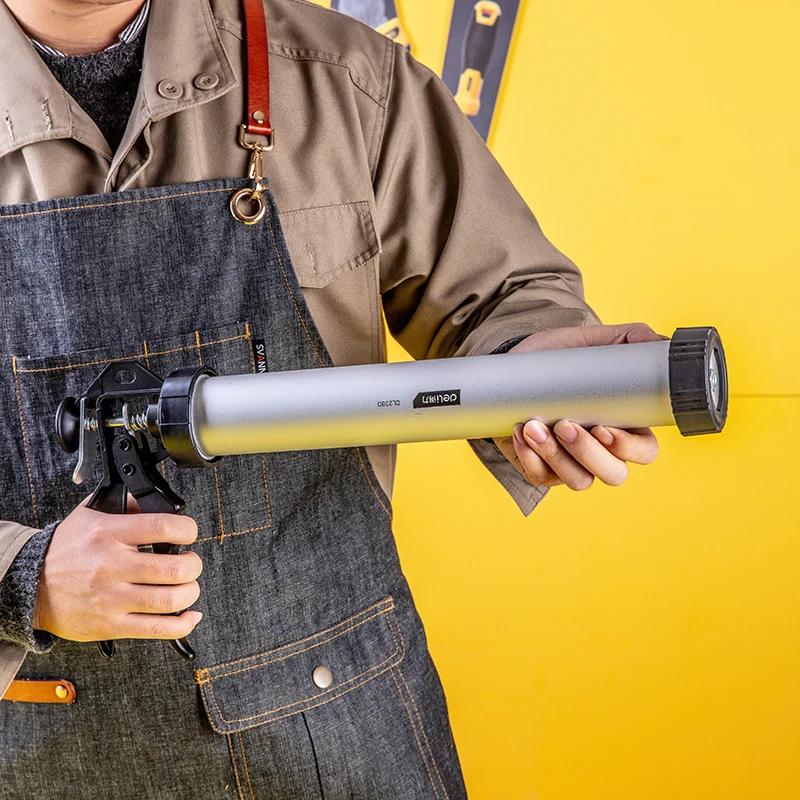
{"x":698,"y":381}
{"x":174,"y":405}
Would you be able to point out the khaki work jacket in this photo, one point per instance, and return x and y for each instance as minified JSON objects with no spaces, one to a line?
{"x":390,"y":202}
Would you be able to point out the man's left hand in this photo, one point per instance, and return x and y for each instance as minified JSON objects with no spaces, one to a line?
{"x":569,"y":454}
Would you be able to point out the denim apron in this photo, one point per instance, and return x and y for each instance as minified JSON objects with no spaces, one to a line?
{"x":300,"y":566}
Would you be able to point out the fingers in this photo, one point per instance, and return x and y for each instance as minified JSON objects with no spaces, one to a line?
{"x":554,"y":452}
{"x":161,"y":599}
{"x":136,"y":529}
{"x":150,"y":626}
{"x":162,"y":570}
{"x":588,"y":336}
{"x":529,"y":464}
{"x":638,"y":445}
{"x":590,"y":453}
{"x":571,"y":455}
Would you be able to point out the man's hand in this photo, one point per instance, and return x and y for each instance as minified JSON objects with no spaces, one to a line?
{"x":97,"y":585}
{"x":569,"y":454}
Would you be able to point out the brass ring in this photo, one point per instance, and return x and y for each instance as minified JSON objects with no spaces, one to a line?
{"x":252,"y":196}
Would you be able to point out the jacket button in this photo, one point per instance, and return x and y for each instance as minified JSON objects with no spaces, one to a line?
{"x":170,"y":90}
{"x":61,"y":691}
{"x":206,"y":81}
{"x":322,"y":677}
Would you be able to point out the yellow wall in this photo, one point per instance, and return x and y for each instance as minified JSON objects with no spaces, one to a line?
{"x":644,"y":642}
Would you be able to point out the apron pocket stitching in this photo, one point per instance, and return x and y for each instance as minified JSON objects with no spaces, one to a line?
{"x":205,"y":676}
{"x":147,"y":355}
{"x":399,"y":648}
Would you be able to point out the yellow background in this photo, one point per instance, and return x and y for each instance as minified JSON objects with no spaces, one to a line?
{"x":637,"y":643}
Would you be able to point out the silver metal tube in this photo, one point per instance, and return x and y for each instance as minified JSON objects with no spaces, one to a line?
{"x":624,"y":386}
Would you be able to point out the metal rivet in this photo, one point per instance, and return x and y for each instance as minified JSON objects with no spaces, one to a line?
{"x":170,"y":89}
{"x":322,"y":677}
{"x":61,"y":692}
{"x":206,"y":81}
{"x":259,"y":116}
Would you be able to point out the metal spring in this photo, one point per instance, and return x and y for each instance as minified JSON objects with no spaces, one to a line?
{"x":131,"y":422}
{"x":137,"y":422}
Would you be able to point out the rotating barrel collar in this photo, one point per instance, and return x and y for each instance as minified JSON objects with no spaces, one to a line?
{"x":174,"y":417}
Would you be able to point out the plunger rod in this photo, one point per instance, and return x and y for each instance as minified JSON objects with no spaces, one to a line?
{"x":625,"y":386}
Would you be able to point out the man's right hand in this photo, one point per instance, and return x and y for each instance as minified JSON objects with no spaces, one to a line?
{"x":96,"y":584}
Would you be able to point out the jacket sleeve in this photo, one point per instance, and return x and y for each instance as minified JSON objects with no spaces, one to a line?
{"x":22,"y":552}
{"x":465,"y":266}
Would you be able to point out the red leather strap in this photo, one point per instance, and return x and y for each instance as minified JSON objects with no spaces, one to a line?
{"x":257,"y":69}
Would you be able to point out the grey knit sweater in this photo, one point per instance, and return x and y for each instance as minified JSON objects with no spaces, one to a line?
{"x":103,"y":84}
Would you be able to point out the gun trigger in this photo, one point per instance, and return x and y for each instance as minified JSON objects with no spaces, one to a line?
{"x":87,"y":448}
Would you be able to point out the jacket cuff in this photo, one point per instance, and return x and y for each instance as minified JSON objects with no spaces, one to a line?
{"x":18,"y":590}
{"x":526,"y":495}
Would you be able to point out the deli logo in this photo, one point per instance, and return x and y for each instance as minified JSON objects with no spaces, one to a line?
{"x":443,"y":397}
{"x":260,"y":355}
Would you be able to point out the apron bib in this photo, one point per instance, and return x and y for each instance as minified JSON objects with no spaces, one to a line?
{"x":300,"y":566}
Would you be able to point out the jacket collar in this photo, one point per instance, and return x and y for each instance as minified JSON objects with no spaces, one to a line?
{"x":182,"y":43}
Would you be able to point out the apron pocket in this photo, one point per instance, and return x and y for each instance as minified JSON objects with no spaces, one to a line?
{"x":229,"y":499}
{"x":302,"y":675}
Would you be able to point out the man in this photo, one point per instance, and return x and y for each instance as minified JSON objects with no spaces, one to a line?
{"x":312,"y":675}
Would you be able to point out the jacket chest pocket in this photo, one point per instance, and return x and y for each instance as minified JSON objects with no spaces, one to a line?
{"x":228,"y":499}
{"x":334,"y":252}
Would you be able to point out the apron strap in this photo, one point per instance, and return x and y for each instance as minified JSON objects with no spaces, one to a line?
{"x":257,"y":122}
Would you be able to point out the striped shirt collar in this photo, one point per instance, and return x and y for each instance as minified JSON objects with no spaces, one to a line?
{"x":128,"y":35}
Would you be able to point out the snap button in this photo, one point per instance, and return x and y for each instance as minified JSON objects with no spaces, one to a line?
{"x":206,"y":81}
{"x":61,"y":691}
{"x":322,"y":677}
{"x":170,"y":89}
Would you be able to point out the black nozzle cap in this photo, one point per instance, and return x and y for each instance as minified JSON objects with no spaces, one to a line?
{"x":174,"y":416}
{"x":698,"y":381}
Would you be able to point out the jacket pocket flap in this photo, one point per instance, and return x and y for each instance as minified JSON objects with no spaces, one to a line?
{"x":287,"y":680}
{"x":329,"y":241}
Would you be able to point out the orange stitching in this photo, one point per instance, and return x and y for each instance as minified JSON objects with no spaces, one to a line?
{"x":307,"y":708}
{"x":322,"y":694}
{"x":235,"y":533}
{"x":219,"y":506}
{"x":108,"y":205}
{"x":424,"y":735}
{"x":298,"y":652}
{"x":291,"y":293}
{"x":25,"y":443}
{"x":246,"y":771}
{"x":130,"y":358}
{"x":369,"y":481}
{"x":235,"y":768}
{"x":389,"y":600}
{"x":414,"y":731}
{"x":266,"y":491}
{"x":146,"y":354}
{"x":197,"y":345}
